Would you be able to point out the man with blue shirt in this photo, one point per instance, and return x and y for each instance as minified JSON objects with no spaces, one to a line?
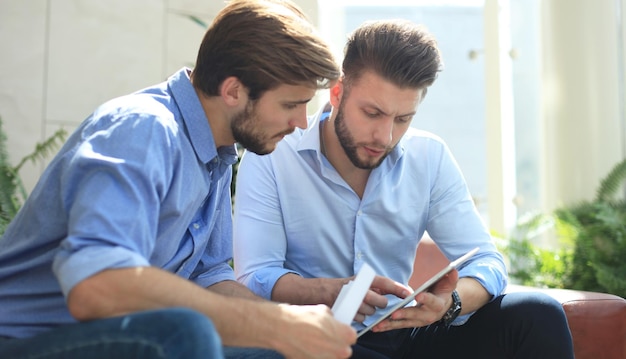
{"x":123,"y":248}
{"x":359,"y":185}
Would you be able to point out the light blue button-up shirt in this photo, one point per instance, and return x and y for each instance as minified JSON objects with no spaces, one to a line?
{"x":295,"y":214}
{"x":140,"y":183}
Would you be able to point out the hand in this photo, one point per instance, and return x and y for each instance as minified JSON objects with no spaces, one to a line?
{"x":311,"y":331}
{"x":431,"y":306}
{"x":375,"y":297}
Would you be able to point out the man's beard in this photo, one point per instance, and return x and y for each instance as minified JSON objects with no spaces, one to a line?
{"x":246,"y":131}
{"x":348,"y":144}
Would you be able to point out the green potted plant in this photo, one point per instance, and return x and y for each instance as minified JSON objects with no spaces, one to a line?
{"x":600,"y":224}
{"x":592,"y":237}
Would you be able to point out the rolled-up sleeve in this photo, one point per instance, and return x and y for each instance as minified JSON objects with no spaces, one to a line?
{"x":105,"y":192}
{"x":72,"y":267}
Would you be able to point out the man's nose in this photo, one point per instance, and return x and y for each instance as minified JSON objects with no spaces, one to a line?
{"x":299,"y":118}
{"x":384,"y":131}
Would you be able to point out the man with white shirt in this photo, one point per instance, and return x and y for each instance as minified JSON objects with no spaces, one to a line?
{"x":359,"y":185}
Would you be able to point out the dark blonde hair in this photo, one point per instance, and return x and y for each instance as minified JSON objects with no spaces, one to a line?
{"x":264,"y":43}
{"x":400,"y":51}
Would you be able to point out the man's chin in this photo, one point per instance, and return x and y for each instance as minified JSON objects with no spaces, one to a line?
{"x":368,"y":164}
{"x":266,"y":150}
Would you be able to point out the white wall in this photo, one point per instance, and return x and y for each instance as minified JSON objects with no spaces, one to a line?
{"x":62,"y":58}
{"x":583,"y":103}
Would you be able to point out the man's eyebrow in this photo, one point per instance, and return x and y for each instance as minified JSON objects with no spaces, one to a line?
{"x":379,"y":110}
{"x":408,"y":114}
{"x":297,"y":102}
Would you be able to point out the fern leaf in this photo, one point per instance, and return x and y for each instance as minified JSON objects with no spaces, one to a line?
{"x":44,"y":149}
{"x":610,"y":185}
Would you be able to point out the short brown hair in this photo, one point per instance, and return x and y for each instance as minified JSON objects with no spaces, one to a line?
{"x":264,"y":43}
{"x":400,"y":51}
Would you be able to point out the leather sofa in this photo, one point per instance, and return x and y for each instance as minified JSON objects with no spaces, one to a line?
{"x":597,"y":320}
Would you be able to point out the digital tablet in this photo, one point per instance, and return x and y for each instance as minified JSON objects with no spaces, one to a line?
{"x":432,"y":280}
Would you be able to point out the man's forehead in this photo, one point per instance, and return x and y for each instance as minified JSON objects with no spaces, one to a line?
{"x":292,"y":92}
{"x":388,"y":98}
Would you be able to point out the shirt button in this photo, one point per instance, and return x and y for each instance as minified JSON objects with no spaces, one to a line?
{"x":196,"y":226}
{"x":359,"y":255}
{"x":359,"y":213}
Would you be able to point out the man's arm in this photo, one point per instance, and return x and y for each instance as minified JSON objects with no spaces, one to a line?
{"x":292,"y":288}
{"x":231,"y":288}
{"x":294,"y":331}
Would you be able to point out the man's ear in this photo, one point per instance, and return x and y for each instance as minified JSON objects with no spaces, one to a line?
{"x":336,"y":92}
{"x":232,"y":91}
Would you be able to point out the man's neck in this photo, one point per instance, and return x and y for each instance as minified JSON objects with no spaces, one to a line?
{"x":218,"y":119}
{"x":355,"y":177}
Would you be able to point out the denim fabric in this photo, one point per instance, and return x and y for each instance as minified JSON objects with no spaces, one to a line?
{"x":160,"y":334}
{"x":250,"y":353}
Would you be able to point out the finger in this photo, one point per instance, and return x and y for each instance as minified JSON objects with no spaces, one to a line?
{"x":366,"y":309}
{"x":348,"y":334}
{"x":384,"y":285}
{"x":375,"y":300}
{"x":391,"y":324}
{"x":408,"y":318}
{"x":359,"y":318}
{"x":432,"y":302}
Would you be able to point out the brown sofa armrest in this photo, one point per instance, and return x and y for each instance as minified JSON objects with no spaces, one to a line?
{"x":597,"y":321}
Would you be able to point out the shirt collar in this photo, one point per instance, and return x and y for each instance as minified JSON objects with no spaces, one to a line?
{"x":196,"y":122}
{"x":310,"y":139}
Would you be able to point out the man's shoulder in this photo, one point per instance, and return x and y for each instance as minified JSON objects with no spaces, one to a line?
{"x":134,"y":109}
{"x":417,"y":137}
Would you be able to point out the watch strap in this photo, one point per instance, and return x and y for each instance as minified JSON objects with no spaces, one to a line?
{"x":454,"y":310}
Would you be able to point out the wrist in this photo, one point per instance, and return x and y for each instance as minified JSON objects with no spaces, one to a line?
{"x":453,"y":310}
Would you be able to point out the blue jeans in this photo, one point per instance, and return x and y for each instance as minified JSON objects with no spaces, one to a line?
{"x":158,"y":334}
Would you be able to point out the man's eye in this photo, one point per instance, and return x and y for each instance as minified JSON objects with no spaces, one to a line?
{"x":404,"y":119}
{"x":371,"y":114}
{"x":290,"y":106}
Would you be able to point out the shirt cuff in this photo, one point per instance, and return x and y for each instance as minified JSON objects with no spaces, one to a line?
{"x":262,"y":281}
{"x":220,"y":273}
{"x":494,"y":286}
{"x":71,"y":268}
{"x":493,"y":280}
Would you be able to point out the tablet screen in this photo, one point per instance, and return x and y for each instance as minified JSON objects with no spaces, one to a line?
{"x":432,"y":280}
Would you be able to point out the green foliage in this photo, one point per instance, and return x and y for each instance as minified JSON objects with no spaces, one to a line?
{"x":533,"y":265}
{"x":601,"y":241}
{"x":592,"y":237}
{"x":12,"y":192}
